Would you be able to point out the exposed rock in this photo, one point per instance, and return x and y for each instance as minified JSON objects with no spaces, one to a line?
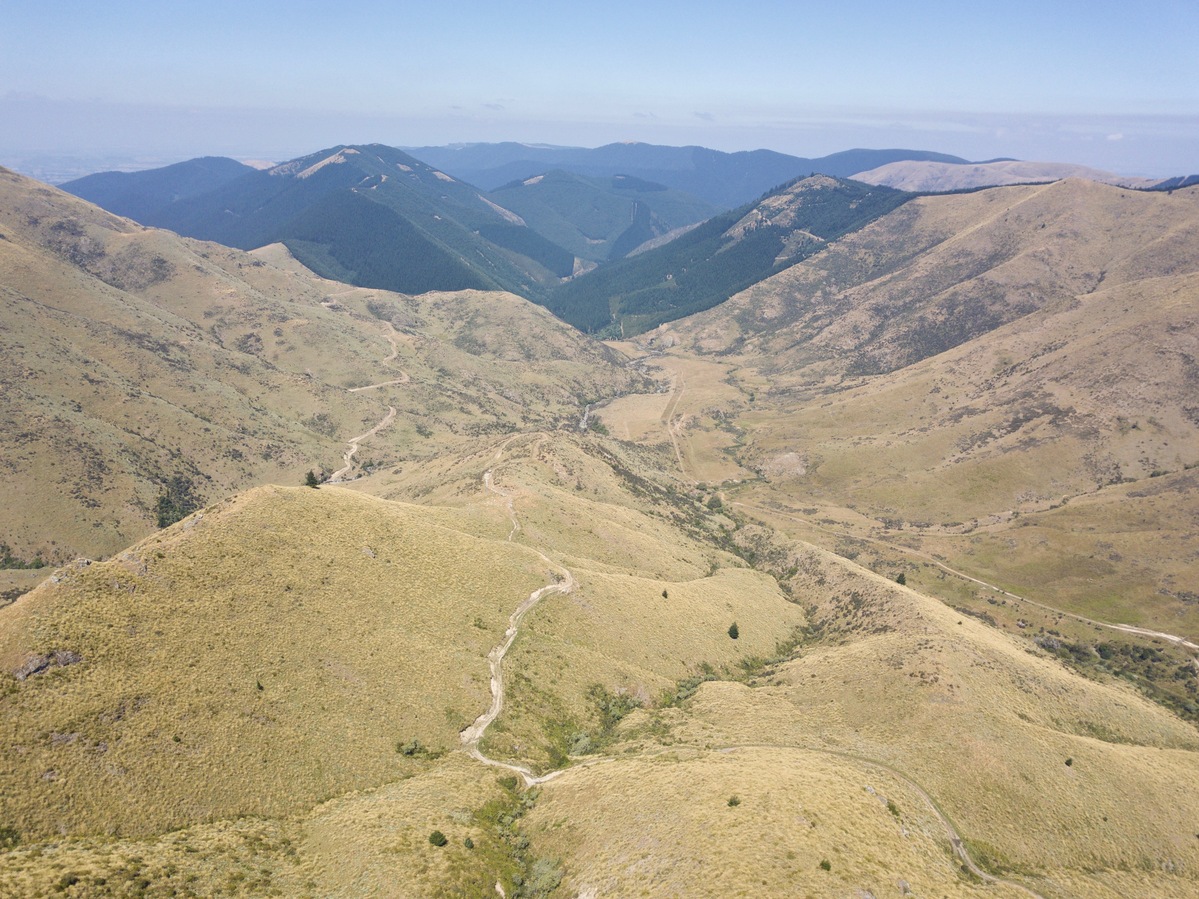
{"x":60,"y":658}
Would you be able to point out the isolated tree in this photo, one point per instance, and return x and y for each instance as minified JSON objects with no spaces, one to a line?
{"x":901,"y":579}
{"x":311,"y":480}
{"x":734,"y":632}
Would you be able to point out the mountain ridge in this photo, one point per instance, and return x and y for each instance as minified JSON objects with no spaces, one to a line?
{"x":723,"y":179}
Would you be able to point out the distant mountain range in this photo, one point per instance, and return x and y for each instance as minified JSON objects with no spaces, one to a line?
{"x":143,"y":196}
{"x":375,"y":216}
{"x":722,"y":179}
{"x":610,"y":238}
{"x":368,"y":215}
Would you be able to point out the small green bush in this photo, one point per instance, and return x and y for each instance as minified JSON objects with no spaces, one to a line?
{"x":437,"y":838}
{"x":734,"y":801}
{"x":734,"y":631}
{"x":826,"y":865}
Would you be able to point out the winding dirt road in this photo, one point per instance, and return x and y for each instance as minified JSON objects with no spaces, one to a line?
{"x":906,"y":550}
{"x":955,"y":840}
{"x":353,"y":442}
{"x":392,"y":338}
{"x":472,"y":735}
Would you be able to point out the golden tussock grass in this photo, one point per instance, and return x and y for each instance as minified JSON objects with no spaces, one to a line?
{"x":669,"y":826}
{"x":255,"y":659}
{"x":1041,"y":770}
{"x":632,"y":637}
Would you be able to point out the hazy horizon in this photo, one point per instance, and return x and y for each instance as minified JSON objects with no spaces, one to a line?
{"x":1066,"y":82}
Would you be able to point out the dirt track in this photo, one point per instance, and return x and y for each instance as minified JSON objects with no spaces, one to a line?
{"x":353,"y":442}
{"x":472,"y":735}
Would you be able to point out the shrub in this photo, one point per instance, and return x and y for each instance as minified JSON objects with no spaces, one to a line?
{"x":176,"y":500}
{"x":311,"y":480}
{"x":901,"y":579}
{"x":437,"y":838}
{"x":825,"y":865}
{"x":734,"y":631}
{"x":1069,"y":762}
{"x":734,"y":801}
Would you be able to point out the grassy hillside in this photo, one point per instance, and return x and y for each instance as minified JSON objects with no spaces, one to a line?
{"x":942,"y":270}
{"x":1047,"y":453}
{"x":323,"y":611}
{"x":926,"y":176}
{"x":147,"y":375}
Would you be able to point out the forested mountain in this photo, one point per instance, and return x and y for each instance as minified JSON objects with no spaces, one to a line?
{"x":724,"y":255}
{"x":144,"y":195}
{"x":375,"y":217}
{"x":599,"y":218}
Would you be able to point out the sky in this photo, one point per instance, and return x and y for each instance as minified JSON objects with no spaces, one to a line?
{"x":1111,"y":85}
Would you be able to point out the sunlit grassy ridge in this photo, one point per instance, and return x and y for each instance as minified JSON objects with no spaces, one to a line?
{"x":253,"y":660}
{"x":754,"y":822}
{"x":373,"y":842}
{"x":1039,"y":768}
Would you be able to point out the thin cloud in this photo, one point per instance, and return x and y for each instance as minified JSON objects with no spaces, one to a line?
{"x":706,"y":116}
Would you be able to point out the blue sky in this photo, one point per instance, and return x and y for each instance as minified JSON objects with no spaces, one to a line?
{"x":1114,"y":85}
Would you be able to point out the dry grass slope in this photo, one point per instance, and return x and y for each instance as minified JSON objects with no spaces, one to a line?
{"x":253,"y":660}
{"x":132,"y":357}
